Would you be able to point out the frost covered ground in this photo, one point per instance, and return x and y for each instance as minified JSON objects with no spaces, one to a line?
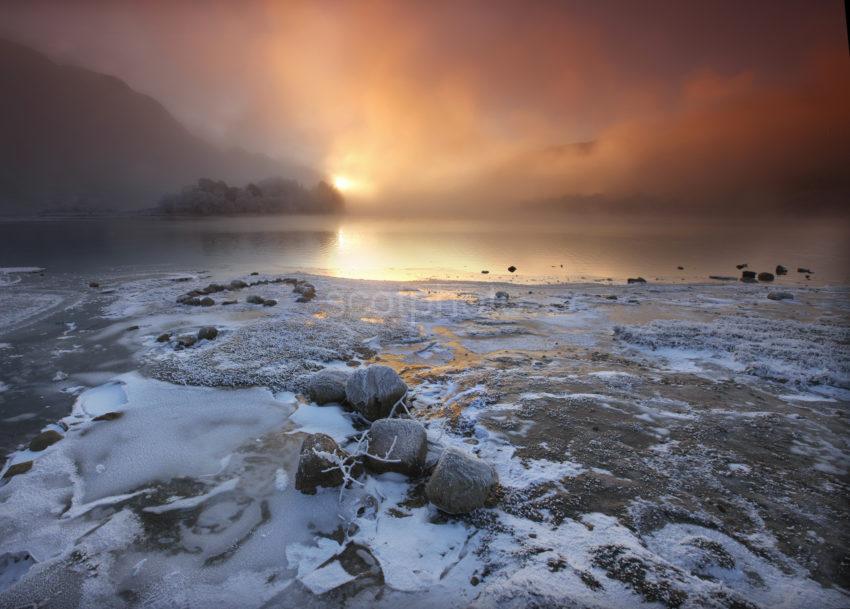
{"x":678,"y":446}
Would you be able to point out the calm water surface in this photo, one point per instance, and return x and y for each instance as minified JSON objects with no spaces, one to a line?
{"x":542,"y":250}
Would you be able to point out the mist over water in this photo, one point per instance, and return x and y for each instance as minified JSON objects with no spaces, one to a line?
{"x":544,"y":250}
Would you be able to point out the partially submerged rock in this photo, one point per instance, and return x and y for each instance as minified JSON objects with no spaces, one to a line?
{"x":109,"y":416}
{"x":374,"y":391}
{"x":207,"y":333}
{"x":45,"y":439}
{"x":500,"y":295}
{"x":164,"y":337}
{"x":780,"y":295}
{"x":461,"y":482}
{"x":18,"y":468}
{"x":187,"y":340}
{"x":327,"y":386}
{"x":238,"y":284}
{"x":206,"y":301}
{"x":765,"y":276}
{"x":318,"y":464}
{"x":801,"y":269}
{"x":748,"y":276}
{"x":635,"y":280}
{"x":781,"y":270}
{"x":254,"y":299}
{"x":400,"y":445}
{"x":722,"y":277}
{"x":269,"y":302}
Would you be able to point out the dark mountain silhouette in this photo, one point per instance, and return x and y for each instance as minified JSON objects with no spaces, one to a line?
{"x":70,"y":137}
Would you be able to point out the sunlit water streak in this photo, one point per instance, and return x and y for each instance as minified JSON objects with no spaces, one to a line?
{"x":543,"y":250}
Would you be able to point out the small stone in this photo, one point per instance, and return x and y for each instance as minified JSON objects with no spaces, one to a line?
{"x":269,"y":302}
{"x":238,"y":284}
{"x":206,"y":301}
{"x":315,"y":470}
{"x":327,"y":386}
{"x":409,"y":443}
{"x":164,"y":337}
{"x":781,"y":270}
{"x":780,"y":295}
{"x":511,"y":269}
{"x":461,"y":482}
{"x":765,"y":276}
{"x":635,"y":280}
{"x":500,"y":295}
{"x":207,"y":333}
{"x":801,"y":269}
{"x":94,"y":284}
{"x":187,"y":340}
{"x":748,"y":276}
{"x":45,"y":439}
{"x":254,"y":299}
{"x":485,"y":272}
{"x":109,"y":416}
{"x":18,"y":468}
{"x":254,"y":273}
{"x":132,"y":328}
{"x":374,"y":391}
{"x":741,"y":266}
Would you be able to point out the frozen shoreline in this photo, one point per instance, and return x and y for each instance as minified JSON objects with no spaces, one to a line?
{"x":689,"y":448}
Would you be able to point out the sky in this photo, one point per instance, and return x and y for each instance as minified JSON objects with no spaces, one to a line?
{"x":482,"y":103}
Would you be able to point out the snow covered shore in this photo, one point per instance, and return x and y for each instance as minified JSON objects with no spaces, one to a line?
{"x":679,"y":446}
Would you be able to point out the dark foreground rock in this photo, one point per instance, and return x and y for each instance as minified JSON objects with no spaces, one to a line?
{"x":317,"y":466}
{"x":207,"y":333}
{"x":748,"y":276}
{"x":765,"y":276}
{"x":44,"y":439}
{"x":401,"y":445}
{"x":17,"y":468}
{"x":109,"y":416}
{"x":373,"y":391}
{"x":327,"y":386}
{"x":461,"y":482}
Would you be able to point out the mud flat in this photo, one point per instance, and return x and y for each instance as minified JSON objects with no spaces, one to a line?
{"x":667,"y":445}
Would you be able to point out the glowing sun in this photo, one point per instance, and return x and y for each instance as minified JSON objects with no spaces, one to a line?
{"x":343,"y":183}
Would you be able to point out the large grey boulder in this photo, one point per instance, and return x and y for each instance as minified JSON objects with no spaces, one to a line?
{"x":316,"y":466}
{"x":401,"y":440}
{"x":327,"y":386}
{"x":373,"y":391}
{"x":461,"y":482}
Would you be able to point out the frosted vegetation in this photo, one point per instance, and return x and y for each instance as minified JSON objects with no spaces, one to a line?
{"x":678,"y":446}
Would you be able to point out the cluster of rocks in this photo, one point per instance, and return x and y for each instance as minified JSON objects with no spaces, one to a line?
{"x":189,"y":340}
{"x":459,"y":482}
{"x":764,"y":276}
{"x":200,"y":297}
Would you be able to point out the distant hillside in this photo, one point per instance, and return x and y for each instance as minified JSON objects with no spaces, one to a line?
{"x":73,"y":138}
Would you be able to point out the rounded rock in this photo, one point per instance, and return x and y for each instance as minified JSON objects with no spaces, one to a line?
{"x":316,"y":469}
{"x":461,"y":482}
{"x":401,"y":440}
{"x":327,"y":386}
{"x":374,"y":391}
{"x":207,"y":333}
